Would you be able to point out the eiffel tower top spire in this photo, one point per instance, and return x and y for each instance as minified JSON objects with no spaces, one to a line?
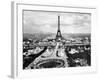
{"x":58,"y":35}
{"x":58,"y":23}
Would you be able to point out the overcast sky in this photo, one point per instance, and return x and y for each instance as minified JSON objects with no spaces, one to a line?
{"x":37,"y":21}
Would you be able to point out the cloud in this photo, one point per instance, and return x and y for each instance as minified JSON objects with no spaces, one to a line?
{"x":35,"y":21}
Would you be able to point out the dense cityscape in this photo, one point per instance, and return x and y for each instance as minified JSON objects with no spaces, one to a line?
{"x":58,"y":50}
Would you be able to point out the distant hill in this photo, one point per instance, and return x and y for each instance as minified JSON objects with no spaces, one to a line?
{"x":41,"y":36}
{"x":77,"y":35}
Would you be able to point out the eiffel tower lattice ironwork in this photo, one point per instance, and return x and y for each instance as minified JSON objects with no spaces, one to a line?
{"x":58,"y":35}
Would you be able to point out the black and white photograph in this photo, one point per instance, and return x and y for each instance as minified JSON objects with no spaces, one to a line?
{"x":54,"y":39}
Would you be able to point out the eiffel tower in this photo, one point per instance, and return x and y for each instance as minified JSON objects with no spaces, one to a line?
{"x":58,"y":35}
